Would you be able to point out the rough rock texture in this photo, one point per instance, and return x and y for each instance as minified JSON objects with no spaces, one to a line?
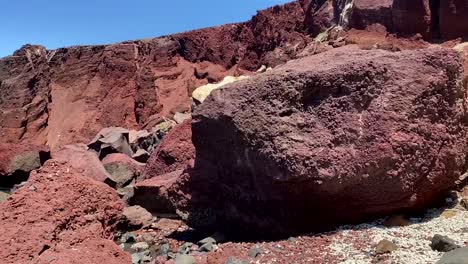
{"x":411,"y":17}
{"x":18,"y":160}
{"x":337,"y":137}
{"x":60,"y":216}
{"x":453,"y":18}
{"x":64,"y":96}
{"x":175,"y":152}
{"x":81,"y":159}
{"x":154,"y":194}
{"x":122,"y":168}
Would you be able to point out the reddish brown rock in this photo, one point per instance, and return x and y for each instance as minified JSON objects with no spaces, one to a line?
{"x":60,"y":216}
{"x":65,"y":96}
{"x":335,"y":138}
{"x":81,"y":159}
{"x":122,"y":168}
{"x":18,"y":160}
{"x":453,"y":18}
{"x":175,"y":152}
{"x":154,"y":194}
{"x":369,"y":12}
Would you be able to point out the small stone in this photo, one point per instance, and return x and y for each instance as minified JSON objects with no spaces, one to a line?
{"x":443,"y":244}
{"x":181,"y":117}
{"x":448,"y":213}
{"x":136,"y":258}
{"x":232,"y":260}
{"x":128,"y":238}
{"x":185,"y":248}
{"x":385,"y":246}
{"x":164,"y":249}
{"x":32,"y":188}
{"x":207,"y":247}
{"x":138,"y":216}
{"x":140,"y":246}
{"x":3,"y":196}
{"x":254,"y":252}
{"x":396,"y":220}
{"x":184,"y":259}
{"x":457,"y":256}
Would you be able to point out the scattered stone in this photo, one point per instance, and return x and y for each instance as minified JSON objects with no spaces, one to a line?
{"x":86,"y":162}
{"x":111,"y":140}
{"x":137,"y":216}
{"x":457,"y":256}
{"x":448,"y":213}
{"x":185,"y":248}
{"x":140,"y":246}
{"x":184,"y":259}
{"x":443,"y":244}
{"x":254,"y":252}
{"x":181,"y":117}
{"x":153,"y":194}
{"x":233,"y":260}
{"x":201,"y":93}
{"x":128,"y":238}
{"x":165,"y":224}
{"x":206,"y":247}
{"x":122,"y":168}
{"x":396,"y":220}
{"x":385,"y":246}
{"x":126,"y":193}
{"x":141,"y":155}
{"x":164,"y":249}
{"x":3,"y":196}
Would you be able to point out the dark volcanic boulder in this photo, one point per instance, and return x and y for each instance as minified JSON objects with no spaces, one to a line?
{"x":411,"y":17}
{"x":334,"y":138}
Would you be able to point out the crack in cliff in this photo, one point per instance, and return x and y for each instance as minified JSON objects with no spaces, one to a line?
{"x":435,"y":18}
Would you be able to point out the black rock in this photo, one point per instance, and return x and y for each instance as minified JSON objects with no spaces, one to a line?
{"x":443,"y":244}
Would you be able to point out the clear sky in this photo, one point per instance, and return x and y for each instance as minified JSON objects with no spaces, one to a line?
{"x":59,"y":23}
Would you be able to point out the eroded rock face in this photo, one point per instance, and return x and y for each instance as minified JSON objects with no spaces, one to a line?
{"x":68,"y":95}
{"x":60,"y":216}
{"x":334,"y":138}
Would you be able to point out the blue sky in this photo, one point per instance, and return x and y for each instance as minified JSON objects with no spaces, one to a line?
{"x":59,"y":23}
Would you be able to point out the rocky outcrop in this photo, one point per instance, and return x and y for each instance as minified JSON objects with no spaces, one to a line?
{"x":338,"y":137}
{"x":60,"y":216}
{"x":65,"y":96}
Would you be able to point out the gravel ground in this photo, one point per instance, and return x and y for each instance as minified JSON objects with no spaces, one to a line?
{"x":413,"y":241}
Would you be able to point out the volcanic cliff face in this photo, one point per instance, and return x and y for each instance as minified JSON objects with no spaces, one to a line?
{"x":67,"y":95}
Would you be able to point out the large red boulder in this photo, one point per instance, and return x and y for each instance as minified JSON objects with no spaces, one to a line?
{"x":18,"y":160}
{"x":60,"y":216}
{"x":368,"y":12}
{"x":335,"y":138}
{"x":453,"y":18}
{"x":175,"y":152}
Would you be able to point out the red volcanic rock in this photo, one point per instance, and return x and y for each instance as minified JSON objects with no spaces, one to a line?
{"x":84,"y":161}
{"x":335,"y":138}
{"x":175,"y":152}
{"x":65,"y":96}
{"x":60,"y":216}
{"x":18,"y":160}
{"x":155,"y":194}
{"x":453,"y":18}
